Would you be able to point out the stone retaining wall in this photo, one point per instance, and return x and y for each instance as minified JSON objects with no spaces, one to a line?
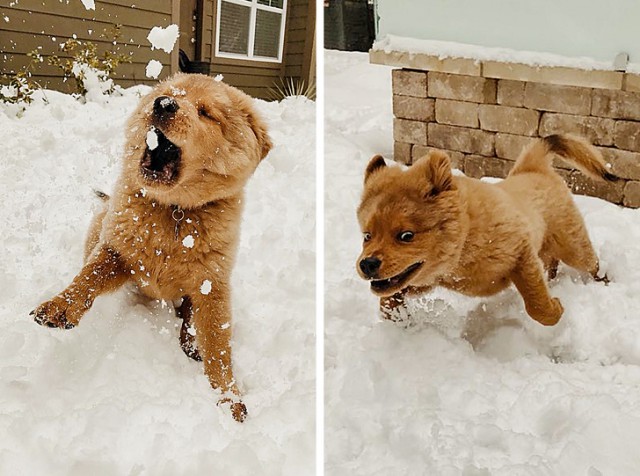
{"x":484,"y":123}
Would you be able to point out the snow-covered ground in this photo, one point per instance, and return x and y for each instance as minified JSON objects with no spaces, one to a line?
{"x":116,"y":396}
{"x":419,"y":399}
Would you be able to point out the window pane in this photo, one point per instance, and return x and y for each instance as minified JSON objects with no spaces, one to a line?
{"x":267,"y":34}
{"x":234,"y":28}
{"x":271,"y":3}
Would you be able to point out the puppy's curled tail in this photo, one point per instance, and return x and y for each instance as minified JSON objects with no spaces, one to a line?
{"x":537,"y":157}
{"x":101,"y":195}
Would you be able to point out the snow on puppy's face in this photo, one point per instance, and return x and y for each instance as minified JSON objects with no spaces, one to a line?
{"x":411,"y":224}
{"x":193,"y":140}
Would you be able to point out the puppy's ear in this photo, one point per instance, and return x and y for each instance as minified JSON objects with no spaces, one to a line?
{"x":260,"y":130}
{"x":438,"y":172}
{"x":376,"y":163}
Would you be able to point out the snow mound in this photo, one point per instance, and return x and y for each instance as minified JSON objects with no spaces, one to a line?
{"x":416,"y":397}
{"x":117,"y":395}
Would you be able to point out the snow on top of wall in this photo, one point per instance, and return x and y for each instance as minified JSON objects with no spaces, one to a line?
{"x":450,"y":49}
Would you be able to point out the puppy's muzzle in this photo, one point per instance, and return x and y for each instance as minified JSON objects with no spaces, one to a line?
{"x":165,"y":106}
{"x":161,"y":164}
{"x":370,"y":266}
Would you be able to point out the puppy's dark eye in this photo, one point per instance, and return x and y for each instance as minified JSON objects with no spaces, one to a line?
{"x":405,"y":236}
{"x":202,"y":112}
{"x":366,"y":236}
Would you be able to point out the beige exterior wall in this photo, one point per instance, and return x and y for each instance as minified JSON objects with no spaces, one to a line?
{"x":485,"y":112}
{"x":255,"y":77}
{"x":33,"y":25}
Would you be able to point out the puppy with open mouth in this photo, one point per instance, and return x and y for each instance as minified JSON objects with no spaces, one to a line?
{"x":423,"y":227}
{"x":172,"y":223}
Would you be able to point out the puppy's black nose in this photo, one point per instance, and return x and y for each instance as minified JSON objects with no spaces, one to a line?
{"x":165,"y":105}
{"x":370,"y":266}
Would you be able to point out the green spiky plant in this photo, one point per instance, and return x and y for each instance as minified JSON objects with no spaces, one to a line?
{"x":290,"y":87}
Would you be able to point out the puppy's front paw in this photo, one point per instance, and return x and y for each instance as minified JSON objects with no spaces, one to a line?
{"x":237,"y":408}
{"x":392,"y":308}
{"x":554,"y":314}
{"x":60,"y":312}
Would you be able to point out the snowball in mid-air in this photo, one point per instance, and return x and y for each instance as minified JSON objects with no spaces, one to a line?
{"x":205,"y":288}
{"x":153,"y":69}
{"x":89,"y":4}
{"x":218,"y":77}
{"x":152,"y":139}
{"x":188,"y":241}
{"x":163,"y":38}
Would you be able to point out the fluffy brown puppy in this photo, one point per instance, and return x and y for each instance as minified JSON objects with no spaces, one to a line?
{"x":172,"y":224}
{"x":423,"y":227}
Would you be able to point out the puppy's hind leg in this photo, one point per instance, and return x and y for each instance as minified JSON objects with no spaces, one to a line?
{"x":529,"y":279}
{"x":574,"y":246}
{"x":187,"y":331}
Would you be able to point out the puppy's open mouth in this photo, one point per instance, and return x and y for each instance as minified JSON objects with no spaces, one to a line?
{"x":394,"y":282}
{"x":161,"y":160}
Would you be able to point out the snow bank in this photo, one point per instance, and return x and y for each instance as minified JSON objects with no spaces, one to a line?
{"x":117,"y":395}
{"x":450,"y":49}
{"x":417,"y":398}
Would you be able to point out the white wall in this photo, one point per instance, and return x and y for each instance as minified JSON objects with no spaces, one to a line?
{"x":598,"y":29}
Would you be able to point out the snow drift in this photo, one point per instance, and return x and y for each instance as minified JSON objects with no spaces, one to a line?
{"x":117,"y":395}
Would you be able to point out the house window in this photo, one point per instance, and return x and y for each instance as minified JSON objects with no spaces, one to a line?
{"x":250,"y":29}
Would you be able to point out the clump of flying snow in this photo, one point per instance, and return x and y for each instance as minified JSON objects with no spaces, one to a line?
{"x":163,"y":38}
{"x":470,"y":386}
{"x":218,"y":77}
{"x":120,"y":376}
{"x":153,"y":69}
{"x":152,"y":140}
{"x":89,"y":4}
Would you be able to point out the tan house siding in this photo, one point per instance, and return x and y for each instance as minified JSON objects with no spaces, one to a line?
{"x":33,"y":24}
{"x":253,"y":77}
{"x":258,"y":78}
{"x":299,"y":37}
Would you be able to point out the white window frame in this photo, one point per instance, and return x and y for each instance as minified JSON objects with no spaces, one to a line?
{"x":255,"y":6}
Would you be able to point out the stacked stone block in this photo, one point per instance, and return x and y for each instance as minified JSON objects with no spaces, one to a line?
{"x":484,"y":123}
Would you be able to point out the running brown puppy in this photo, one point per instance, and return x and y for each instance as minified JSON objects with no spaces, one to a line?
{"x":423,"y":227}
{"x":172,"y":224}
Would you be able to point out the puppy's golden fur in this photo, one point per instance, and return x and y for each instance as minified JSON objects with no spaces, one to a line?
{"x":172,"y":224}
{"x":424,"y":227}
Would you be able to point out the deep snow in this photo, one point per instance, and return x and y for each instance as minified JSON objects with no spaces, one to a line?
{"x":116,"y":395}
{"x":417,"y":398}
